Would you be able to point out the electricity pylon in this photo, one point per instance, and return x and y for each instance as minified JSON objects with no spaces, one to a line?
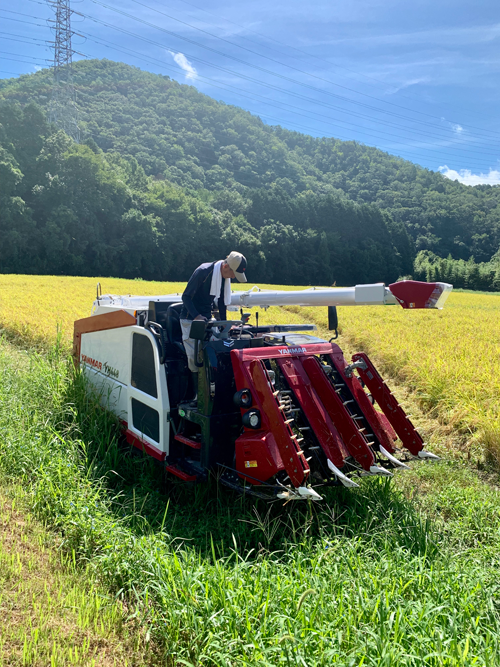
{"x":63,"y":111}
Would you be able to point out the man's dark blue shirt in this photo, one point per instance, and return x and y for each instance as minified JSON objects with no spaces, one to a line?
{"x":197,"y":299}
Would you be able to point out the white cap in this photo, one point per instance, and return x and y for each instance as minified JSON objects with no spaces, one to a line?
{"x":238,"y":264}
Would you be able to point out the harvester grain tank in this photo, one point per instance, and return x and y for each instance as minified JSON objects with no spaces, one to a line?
{"x":280,"y":412}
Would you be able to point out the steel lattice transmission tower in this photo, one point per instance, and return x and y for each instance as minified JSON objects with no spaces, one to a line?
{"x":63,"y":110}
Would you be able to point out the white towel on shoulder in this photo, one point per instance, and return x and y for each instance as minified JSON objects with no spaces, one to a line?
{"x":217,"y":283}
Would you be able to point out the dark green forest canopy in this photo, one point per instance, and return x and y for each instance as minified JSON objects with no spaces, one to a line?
{"x":166,"y":177}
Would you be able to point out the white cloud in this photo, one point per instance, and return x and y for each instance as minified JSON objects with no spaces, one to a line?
{"x":408,"y":84}
{"x":184,"y":64}
{"x":466,"y":176}
{"x":456,"y":127}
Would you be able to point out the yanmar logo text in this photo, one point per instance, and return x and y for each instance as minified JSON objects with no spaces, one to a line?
{"x":293,"y":350}
{"x":92,"y":362}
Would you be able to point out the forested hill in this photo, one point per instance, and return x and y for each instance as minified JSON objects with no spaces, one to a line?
{"x":166,"y":177}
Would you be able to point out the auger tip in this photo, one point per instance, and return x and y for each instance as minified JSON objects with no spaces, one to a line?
{"x":396,"y":462}
{"x":423,"y":454}
{"x":377,"y":470}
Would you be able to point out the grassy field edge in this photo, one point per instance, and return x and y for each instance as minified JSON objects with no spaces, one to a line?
{"x":54,"y":611}
{"x":401,"y":573}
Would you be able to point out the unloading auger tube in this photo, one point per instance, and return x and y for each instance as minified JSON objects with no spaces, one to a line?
{"x":279,"y":413}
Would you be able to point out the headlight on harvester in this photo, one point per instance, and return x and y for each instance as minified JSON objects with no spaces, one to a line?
{"x":251,"y":419}
{"x":243,"y":398}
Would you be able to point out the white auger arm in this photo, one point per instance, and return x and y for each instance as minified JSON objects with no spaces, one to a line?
{"x":408,"y":293}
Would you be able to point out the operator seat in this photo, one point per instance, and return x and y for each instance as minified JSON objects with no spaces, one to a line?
{"x":173,"y":326}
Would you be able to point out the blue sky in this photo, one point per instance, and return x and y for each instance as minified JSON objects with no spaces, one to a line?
{"x":417,"y":79}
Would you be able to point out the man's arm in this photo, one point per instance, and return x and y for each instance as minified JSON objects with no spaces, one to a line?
{"x":221,"y":306}
{"x":222,"y":312}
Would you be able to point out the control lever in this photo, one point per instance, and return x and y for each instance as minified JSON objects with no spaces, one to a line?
{"x":245,"y":316}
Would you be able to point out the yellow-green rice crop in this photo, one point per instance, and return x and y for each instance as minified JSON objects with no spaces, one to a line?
{"x":34,"y":307}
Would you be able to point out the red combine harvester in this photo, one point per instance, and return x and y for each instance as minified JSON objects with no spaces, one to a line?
{"x":279,"y":411}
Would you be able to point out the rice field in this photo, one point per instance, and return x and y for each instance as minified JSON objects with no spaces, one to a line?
{"x":400,"y":573}
{"x":34,"y":308}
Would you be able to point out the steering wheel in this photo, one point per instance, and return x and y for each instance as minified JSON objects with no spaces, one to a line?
{"x":224,"y":327}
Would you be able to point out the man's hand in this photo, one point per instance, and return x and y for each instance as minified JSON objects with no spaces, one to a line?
{"x":200,"y":317}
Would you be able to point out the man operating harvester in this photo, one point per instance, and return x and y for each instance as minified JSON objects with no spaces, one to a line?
{"x":209,"y":282}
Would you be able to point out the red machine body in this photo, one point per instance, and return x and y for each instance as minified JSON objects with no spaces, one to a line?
{"x":319,"y":406}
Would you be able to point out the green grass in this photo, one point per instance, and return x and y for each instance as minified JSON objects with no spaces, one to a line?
{"x":53,"y":613}
{"x":393,"y":573}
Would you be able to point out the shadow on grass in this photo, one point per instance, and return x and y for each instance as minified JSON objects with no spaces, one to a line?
{"x":213,"y":519}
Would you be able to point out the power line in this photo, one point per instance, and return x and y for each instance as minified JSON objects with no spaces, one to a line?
{"x":271,"y":86}
{"x":98,"y":2}
{"x":12,"y":36}
{"x":23,"y":41}
{"x":222,"y":87}
{"x":8,"y":18}
{"x":10,"y":11}
{"x":16,"y":60}
{"x":22,"y":55}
